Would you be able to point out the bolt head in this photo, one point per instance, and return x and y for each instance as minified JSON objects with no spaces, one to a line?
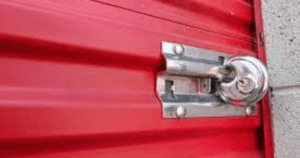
{"x":249,"y":110}
{"x":180,"y":112}
{"x":178,"y":49}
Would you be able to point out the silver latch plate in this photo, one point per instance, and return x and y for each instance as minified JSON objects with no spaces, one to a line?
{"x":182,"y":90}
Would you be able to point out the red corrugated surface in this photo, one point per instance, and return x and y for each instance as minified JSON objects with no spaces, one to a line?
{"x":78,"y":78}
{"x":266,"y":115}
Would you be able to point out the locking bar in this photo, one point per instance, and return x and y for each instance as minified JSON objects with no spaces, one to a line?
{"x":189,"y":97}
{"x":203,"y":83}
{"x":191,"y":61}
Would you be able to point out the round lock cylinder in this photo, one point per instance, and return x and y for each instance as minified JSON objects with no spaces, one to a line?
{"x":249,"y":83}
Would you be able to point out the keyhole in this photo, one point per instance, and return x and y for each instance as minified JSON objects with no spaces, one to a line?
{"x":242,"y":82}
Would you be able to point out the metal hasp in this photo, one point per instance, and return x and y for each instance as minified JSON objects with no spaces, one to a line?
{"x":204,"y":83}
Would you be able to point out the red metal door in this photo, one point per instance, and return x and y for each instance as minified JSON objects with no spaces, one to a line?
{"x":78,"y":78}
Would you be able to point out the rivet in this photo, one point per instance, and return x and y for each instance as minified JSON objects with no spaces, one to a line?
{"x":180,"y":112}
{"x":249,"y":110}
{"x":178,"y":49}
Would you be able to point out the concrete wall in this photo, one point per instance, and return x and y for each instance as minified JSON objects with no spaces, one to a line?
{"x":282,"y":37}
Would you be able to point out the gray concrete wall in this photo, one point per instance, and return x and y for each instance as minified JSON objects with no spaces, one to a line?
{"x":282,"y":37}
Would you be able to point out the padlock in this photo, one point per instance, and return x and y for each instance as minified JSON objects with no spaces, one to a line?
{"x":248,"y":82}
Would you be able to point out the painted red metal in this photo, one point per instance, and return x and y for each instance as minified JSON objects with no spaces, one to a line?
{"x":227,"y":17}
{"x":266,"y":116}
{"x":78,"y":79}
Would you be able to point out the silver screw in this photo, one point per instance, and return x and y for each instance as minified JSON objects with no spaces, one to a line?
{"x":249,"y":110}
{"x":178,"y":49}
{"x":180,"y":112}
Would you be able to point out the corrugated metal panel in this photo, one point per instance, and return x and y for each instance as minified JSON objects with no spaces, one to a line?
{"x":78,"y":78}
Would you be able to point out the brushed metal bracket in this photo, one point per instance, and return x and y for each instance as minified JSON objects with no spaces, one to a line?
{"x":189,"y":87}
